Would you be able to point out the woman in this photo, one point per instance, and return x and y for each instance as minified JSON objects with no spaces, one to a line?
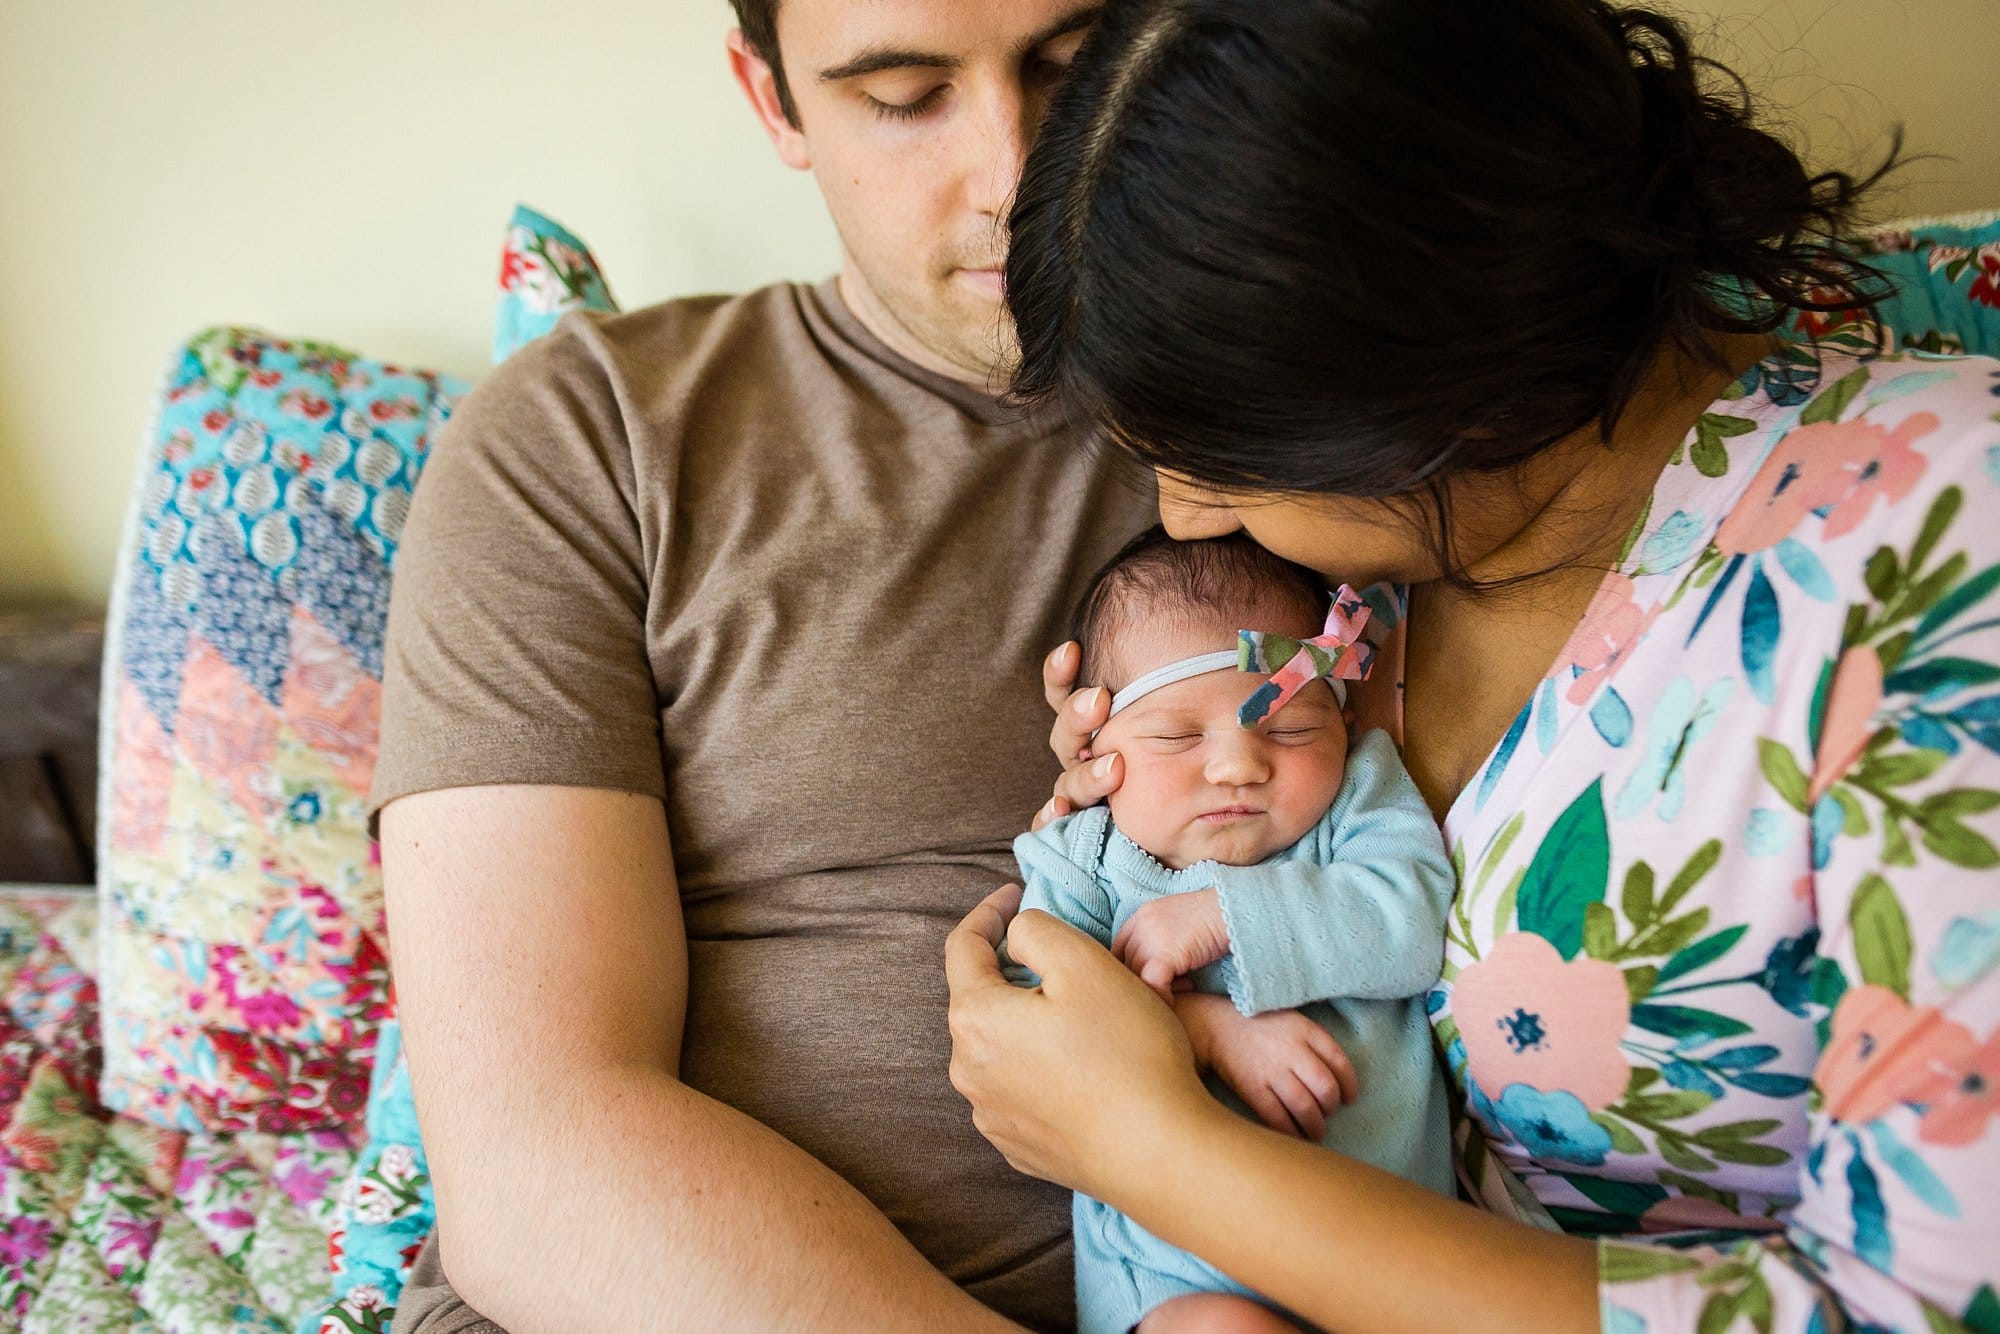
{"x":1698,"y":668}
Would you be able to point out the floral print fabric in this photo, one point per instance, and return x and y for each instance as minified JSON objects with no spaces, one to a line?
{"x":112,"y":1223}
{"x":1722,"y":986}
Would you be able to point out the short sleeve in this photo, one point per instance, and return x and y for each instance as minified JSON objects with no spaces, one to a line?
{"x":516,"y":646}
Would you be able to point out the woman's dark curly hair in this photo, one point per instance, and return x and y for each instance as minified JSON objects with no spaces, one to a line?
{"x":1357,"y":246}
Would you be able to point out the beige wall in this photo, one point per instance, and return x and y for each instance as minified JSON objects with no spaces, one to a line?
{"x":343,"y":171}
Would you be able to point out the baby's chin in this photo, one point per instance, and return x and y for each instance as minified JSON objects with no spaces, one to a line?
{"x":1238,"y":843}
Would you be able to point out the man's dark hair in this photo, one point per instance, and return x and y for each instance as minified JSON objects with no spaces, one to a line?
{"x":1353,"y":247}
{"x":759,"y":21}
{"x":1155,"y":577}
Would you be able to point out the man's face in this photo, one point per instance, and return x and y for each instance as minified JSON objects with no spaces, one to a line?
{"x":915,"y":117}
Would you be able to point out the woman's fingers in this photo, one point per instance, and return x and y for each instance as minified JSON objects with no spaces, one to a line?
{"x":971,"y":951}
{"x":1059,"y":673}
{"x":1077,"y":716}
{"x":1299,"y":1101}
{"x":1049,"y":947}
{"x":1087,"y":784}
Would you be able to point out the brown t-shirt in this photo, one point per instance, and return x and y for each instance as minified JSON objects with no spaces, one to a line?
{"x":738,"y":555}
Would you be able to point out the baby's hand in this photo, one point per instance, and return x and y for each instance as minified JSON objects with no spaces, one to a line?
{"x":1169,"y":937}
{"x":1288,"y":1069}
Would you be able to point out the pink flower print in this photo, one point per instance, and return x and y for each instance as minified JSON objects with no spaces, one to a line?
{"x":1888,"y":477}
{"x":24,"y":1240}
{"x":1965,"y":1094}
{"x":132,"y":1234}
{"x":1692,"y":1213}
{"x":302,"y":1185}
{"x":1986,"y":287}
{"x":1883,"y":1052}
{"x":1851,"y":705}
{"x":1529,"y":1017}
{"x":1840,"y":467}
{"x":267,"y":379}
{"x":249,"y":991}
{"x":304,"y":403}
{"x":1611,"y":626}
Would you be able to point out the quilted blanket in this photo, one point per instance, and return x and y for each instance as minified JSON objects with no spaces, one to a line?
{"x":114,"y":1223}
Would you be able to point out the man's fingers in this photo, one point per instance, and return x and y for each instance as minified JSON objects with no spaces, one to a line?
{"x":1087,"y":784}
{"x":971,"y":957}
{"x":1329,"y":1050}
{"x":1059,"y":674}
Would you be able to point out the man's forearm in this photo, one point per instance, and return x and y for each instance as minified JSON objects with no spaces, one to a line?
{"x":631,"y":1202}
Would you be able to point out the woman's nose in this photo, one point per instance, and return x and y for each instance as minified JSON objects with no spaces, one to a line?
{"x":1189,"y":511}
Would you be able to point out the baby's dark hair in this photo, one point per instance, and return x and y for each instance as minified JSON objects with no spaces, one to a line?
{"x":1156,"y":577}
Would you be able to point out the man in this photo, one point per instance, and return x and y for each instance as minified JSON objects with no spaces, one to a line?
{"x":711,"y":706}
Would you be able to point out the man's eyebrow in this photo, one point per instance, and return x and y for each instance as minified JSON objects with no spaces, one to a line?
{"x":876,"y":59}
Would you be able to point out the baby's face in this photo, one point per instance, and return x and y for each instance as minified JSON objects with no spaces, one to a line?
{"x":1198,"y":785}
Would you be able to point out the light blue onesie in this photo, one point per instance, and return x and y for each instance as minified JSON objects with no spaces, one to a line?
{"x":1346,"y":925}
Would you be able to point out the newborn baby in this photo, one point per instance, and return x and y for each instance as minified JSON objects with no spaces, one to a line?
{"x":1298,"y":883}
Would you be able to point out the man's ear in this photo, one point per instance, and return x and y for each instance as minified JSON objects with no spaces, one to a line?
{"x":760,"y":84}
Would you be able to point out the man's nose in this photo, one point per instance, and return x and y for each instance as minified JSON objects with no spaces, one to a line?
{"x":1189,"y":511}
{"x":1237,"y":760}
{"x":1005,"y":130}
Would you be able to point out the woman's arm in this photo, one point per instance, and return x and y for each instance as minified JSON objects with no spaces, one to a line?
{"x":1090,"y":1082}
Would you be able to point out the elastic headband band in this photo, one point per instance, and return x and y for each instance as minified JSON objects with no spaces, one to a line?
{"x":1174,"y":672}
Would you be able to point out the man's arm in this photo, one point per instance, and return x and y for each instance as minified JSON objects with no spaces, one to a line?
{"x":541,"y":979}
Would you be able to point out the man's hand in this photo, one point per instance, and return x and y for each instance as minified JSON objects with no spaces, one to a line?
{"x":1087,"y":779}
{"x":1286,"y":1068}
{"x":1170,"y":937}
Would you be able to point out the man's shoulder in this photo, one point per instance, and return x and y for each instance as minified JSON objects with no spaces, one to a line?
{"x":672,"y":337}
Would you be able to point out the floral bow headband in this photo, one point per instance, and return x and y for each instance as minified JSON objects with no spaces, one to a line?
{"x":1337,"y":655}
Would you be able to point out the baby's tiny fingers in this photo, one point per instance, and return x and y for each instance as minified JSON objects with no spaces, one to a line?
{"x":1328,"y":1048}
{"x":1299,"y":1101}
{"x":1320,"y":1081}
{"x":1272,"y":1112}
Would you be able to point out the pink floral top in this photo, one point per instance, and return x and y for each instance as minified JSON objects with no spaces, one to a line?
{"x":1722,"y":985}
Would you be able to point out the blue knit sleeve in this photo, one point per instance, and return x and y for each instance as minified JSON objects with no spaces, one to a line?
{"x":1058,"y":877}
{"x":1355,"y":910}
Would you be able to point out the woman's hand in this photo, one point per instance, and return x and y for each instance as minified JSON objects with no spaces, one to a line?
{"x":1087,"y":779}
{"x":1076,"y":1081}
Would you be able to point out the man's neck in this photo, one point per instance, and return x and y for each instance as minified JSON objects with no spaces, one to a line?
{"x":877,"y":319}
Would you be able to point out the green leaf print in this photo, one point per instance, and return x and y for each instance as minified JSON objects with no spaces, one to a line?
{"x":1617,"y":1263}
{"x":1881,"y":936}
{"x":1783,"y":772}
{"x":1834,"y":400}
{"x":1600,"y":930}
{"x":1703,"y":952}
{"x":1638,"y":895}
{"x":1699,"y":865}
{"x":1710,"y":455}
{"x":1571,"y":870}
